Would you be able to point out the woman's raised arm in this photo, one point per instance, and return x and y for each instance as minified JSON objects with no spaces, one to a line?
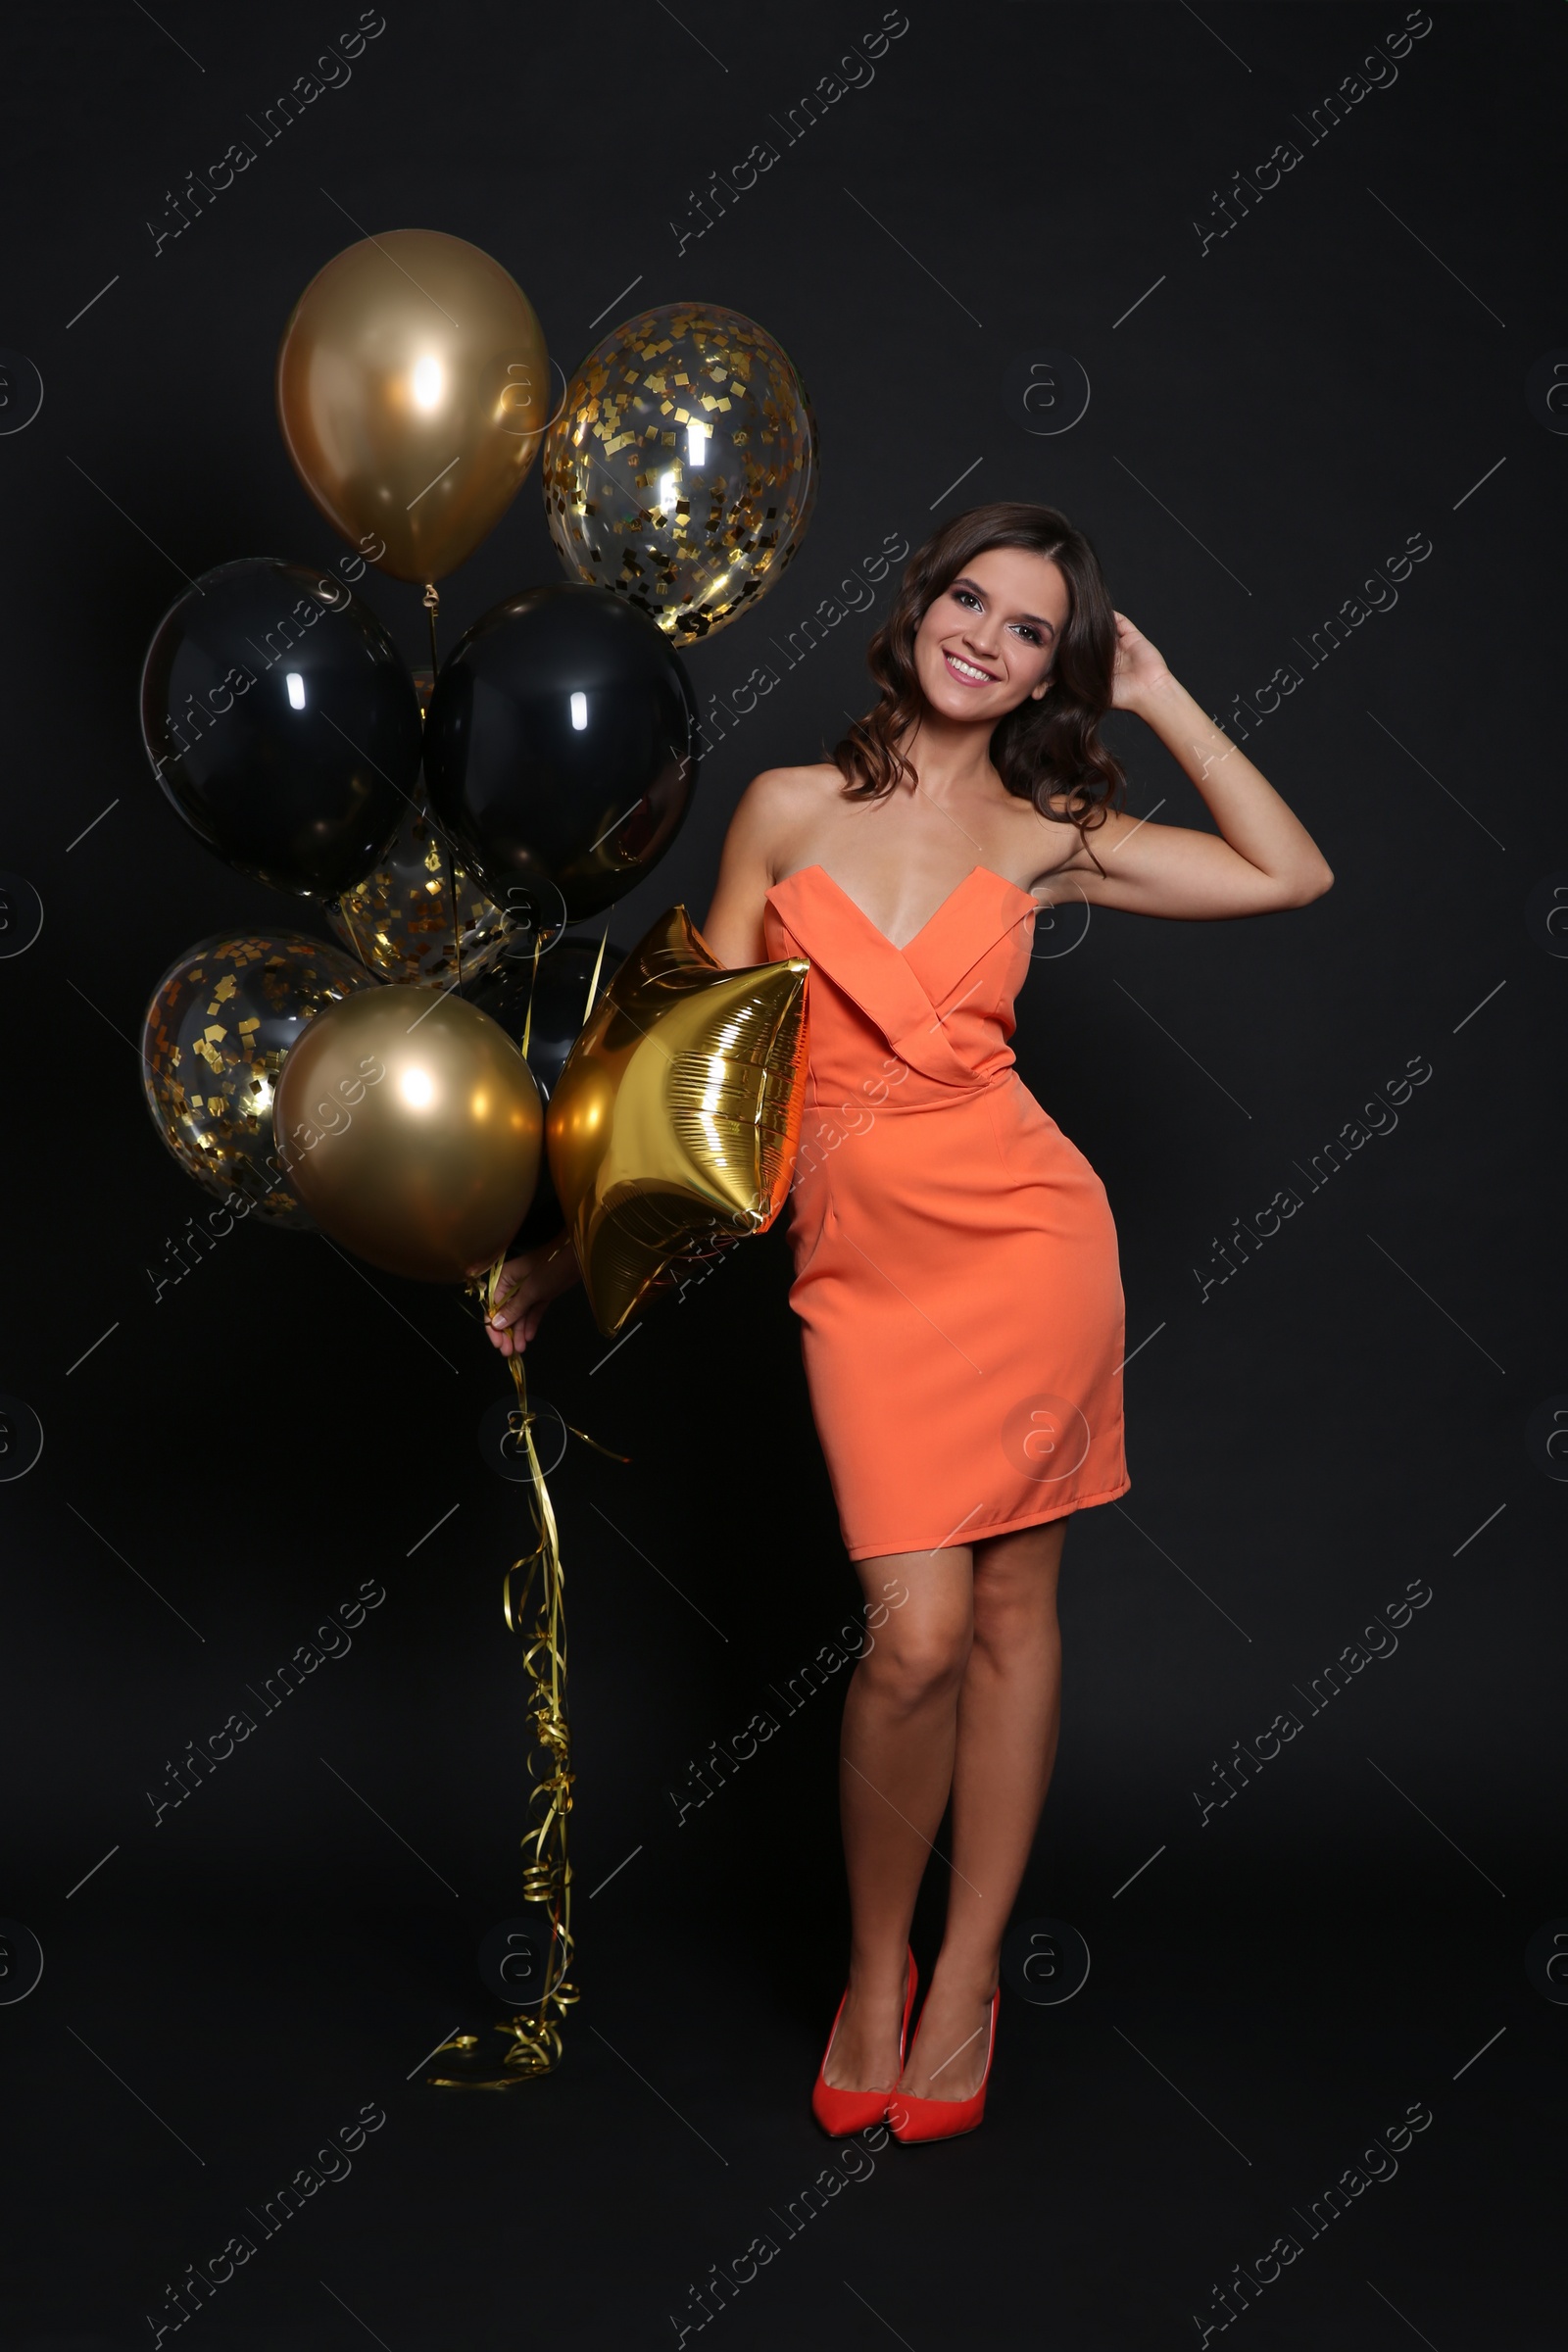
{"x":1264,"y":858}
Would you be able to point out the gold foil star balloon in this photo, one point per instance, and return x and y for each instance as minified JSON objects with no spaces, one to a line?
{"x":410,"y":1127}
{"x":674,"y":1126}
{"x":213,"y":1040}
{"x":681,"y":470}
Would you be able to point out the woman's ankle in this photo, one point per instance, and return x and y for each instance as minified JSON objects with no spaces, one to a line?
{"x":961,"y":1969}
{"x":879,"y":1975}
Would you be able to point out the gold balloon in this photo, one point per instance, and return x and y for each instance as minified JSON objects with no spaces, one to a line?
{"x":412,"y":390}
{"x":215,"y":1034}
{"x":681,"y":470}
{"x":673,"y":1128}
{"x":410,"y":1127}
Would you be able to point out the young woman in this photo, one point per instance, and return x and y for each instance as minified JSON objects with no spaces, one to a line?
{"x":956,"y":1274}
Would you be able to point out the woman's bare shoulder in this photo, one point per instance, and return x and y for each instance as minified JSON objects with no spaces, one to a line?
{"x":782,"y":802}
{"x":785,"y":789}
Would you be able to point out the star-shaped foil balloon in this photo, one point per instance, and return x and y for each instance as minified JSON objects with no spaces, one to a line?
{"x":673,"y":1128}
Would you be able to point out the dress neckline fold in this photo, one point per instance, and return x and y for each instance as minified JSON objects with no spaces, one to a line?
{"x":989,"y":872}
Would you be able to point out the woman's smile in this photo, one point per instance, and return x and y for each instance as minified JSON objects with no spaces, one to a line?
{"x":967,"y":672}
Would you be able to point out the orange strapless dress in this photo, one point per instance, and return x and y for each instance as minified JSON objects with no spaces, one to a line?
{"x":956,"y":1266}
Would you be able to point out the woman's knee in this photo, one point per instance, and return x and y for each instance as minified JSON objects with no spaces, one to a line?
{"x":1015,"y":1605}
{"x":909,"y":1665}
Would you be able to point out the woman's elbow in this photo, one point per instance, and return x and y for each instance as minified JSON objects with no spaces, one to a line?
{"x":1308,"y":884}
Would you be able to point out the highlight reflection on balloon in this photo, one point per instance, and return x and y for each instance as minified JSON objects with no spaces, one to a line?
{"x":674,"y":1126}
{"x":412,"y":390}
{"x":282,"y":723}
{"x":681,"y":471}
{"x":410,"y":1127}
{"x":560,"y":749}
{"x":217,"y":1032}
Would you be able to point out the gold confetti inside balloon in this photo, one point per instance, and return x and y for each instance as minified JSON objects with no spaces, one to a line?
{"x":399,"y":920}
{"x":410,"y":1127}
{"x":413,"y":389}
{"x":215,"y":1036}
{"x":681,"y":470}
{"x":674,"y":1126}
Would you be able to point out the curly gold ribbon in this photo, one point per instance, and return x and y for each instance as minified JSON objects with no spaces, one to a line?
{"x":535,"y":2036}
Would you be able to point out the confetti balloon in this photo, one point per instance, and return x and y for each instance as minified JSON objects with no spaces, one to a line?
{"x":674,"y":1126}
{"x":410,"y":1127}
{"x":399,"y":919}
{"x":421,"y":917}
{"x":681,"y":469}
{"x":213,"y":1040}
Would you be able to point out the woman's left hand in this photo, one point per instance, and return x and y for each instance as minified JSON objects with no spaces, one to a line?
{"x":1140,"y":667}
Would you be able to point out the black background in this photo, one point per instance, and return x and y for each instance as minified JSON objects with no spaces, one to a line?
{"x":1343,"y":1416}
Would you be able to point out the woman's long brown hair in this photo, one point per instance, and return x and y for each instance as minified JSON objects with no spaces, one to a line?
{"x":1041,"y":750}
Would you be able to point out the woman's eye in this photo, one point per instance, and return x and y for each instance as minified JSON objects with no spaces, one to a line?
{"x":1033,"y":635}
{"x":962,"y":596}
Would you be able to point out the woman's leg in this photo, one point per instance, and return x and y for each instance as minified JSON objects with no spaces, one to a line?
{"x":894,"y":1772}
{"x":1009,"y":1710}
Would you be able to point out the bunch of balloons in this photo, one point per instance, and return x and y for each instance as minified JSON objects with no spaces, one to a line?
{"x":452,"y":825}
{"x":456,"y":1079}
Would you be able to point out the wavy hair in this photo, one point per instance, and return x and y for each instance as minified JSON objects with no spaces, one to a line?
{"x":1040,"y":749}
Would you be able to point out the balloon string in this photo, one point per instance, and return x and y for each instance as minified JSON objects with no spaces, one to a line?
{"x":533,"y":982}
{"x":432,"y":605}
{"x":593,"y":985}
{"x":457,"y":911}
{"x":536,"y":2034}
{"x":608,"y":1451}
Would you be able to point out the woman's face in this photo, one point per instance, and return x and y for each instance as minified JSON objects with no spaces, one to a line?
{"x":989,"y":640}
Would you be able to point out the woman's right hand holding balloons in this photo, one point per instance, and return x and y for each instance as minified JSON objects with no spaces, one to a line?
{"x":527,"y":1285}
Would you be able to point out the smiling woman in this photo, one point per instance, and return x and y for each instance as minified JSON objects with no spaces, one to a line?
{"x":963,"y":635}
{"x":957,"y":1275}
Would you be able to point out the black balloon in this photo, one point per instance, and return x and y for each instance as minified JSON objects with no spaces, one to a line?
{"x":548,"y":1002}
{"x":561,"y":750}
{"x":282,"y":723}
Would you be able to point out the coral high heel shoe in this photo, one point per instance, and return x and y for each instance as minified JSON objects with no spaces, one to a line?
{"x":910,"y":2119}
{"x":841,"y":2112}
